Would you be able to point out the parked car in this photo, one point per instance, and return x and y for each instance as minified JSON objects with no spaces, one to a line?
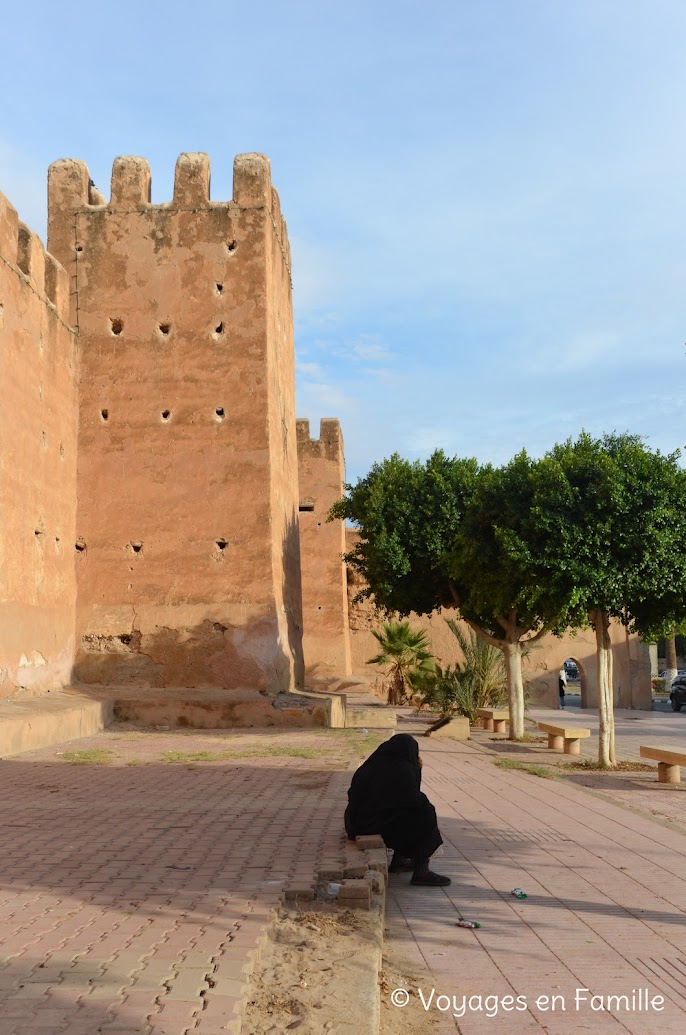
{"x":678,"y":694}
{"x":571,"y":670}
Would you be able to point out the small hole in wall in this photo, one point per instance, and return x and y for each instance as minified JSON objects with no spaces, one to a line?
{"x":219,"y":330}
{"x":221,"y":544}
{"x":219,"y":288}
{"x":165,"y":415}
{"x":116,"y":326}
{"x":39,"y":533}
{"x":231,"y":246}
{"x":80,"y":546}
{"x":219,"y":413}
{"x":136,"y":547}
{"x":165,"y":329}
{"x":104,"y":414}
{"x":79,"y":247}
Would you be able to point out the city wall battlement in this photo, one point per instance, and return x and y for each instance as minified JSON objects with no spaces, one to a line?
{"x":70,"y":189}
{"x":24,"y":253}
{"x":329,"y":445}
{"x":80,"y":218}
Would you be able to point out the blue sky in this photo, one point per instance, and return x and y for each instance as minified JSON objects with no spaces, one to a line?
{"x":486,"y":200}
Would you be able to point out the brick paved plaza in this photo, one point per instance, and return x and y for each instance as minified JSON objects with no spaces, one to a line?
{"x":134,"y":896}
{"x":142,"y":891}
{"x":606,"y":906}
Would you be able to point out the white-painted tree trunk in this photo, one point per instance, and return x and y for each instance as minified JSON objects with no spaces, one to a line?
{"x":515,"y":688}
{"x":606,"y":713}
{"x":670,"y":662}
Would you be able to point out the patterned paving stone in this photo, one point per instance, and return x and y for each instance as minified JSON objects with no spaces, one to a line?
{"x":125,"y":891}
{"x":605,"y":914}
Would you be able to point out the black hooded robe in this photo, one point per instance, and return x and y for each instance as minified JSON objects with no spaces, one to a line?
{"x":385,"y":798}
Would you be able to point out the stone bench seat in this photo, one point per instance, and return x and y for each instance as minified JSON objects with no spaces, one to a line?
{"x":668,"y":762}
{"x":493,"y":719}
{"x":564,"y":737}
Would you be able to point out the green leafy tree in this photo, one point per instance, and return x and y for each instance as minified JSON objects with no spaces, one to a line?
{"x":449,"y":533}
{"x":594,"y":531}
{"x":615,"y":518}
{"x":498,"y":571}
{"x":404,"y":651}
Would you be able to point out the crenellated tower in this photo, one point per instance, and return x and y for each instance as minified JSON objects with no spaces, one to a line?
{"x":326,"y":638}
{"x":187,"y":549}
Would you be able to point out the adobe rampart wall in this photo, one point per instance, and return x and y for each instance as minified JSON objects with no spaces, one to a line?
{"x":188,"y":552}
{"x":163,"y":519}
{"x":38,"y":433}
{"x":326,"y":638}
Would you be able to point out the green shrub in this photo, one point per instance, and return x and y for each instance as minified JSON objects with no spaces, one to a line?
{"x":480,"y":681}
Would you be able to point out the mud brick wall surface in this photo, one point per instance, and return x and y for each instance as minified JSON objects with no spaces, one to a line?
{"x":326,"y":639}
{"x":38,"y":432}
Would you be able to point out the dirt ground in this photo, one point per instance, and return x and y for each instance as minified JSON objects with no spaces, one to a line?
{"x":398,"y":973}
{"x":133,"y":744}
{"x":308,"y":978}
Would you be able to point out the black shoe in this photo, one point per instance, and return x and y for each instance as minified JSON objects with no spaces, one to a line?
{"x":430,"y":880}
{"x":401,"y":864}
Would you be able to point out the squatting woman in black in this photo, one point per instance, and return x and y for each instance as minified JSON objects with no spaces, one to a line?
{"x":385,"y":798}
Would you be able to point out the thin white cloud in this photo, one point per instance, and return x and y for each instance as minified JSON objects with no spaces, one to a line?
{"x":322,"y":399}
{"x":370,"y":348}
{"x":310,"y":371}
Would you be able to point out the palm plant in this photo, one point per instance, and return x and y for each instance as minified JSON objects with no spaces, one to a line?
{"x":404,"y":652}
{"x":479,"y":681}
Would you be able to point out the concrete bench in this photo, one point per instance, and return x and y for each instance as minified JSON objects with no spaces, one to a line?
{"x":567,"y":737}
{"x":493,"y":719}
{"x":668,"y":762}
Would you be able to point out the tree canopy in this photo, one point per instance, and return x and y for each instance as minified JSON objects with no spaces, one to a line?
{"x":408,"y":515}
{"x":451,"y":533}
{"x":594,"y":530}
{"x":615,"y":514}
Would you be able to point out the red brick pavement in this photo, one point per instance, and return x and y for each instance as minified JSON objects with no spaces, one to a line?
{"x":135,"y":899}
{"x":606,"y":906}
